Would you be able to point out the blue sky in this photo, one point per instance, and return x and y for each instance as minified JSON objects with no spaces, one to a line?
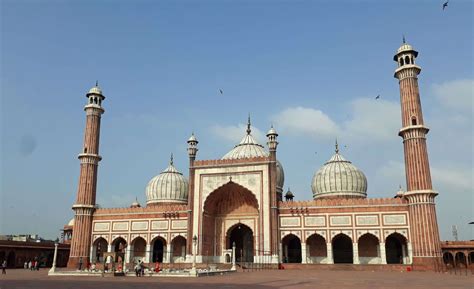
{"x":313,"y":68}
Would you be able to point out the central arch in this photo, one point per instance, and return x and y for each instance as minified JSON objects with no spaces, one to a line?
{"x":100,"y":247}
{"x":369,"y":249}
{"x":342,"y":249}
{"x":159,"y":248}
{"x":395,"y":248}
{"x":291,"y":249}
{"x":228,"y":204}
{"x":242,"y":236}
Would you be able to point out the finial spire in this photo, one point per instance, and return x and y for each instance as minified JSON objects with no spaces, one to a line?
{"x":96,"y":83}
{"x":404,"y":41}
{"x":171,"y":159}
{"x":248,"y":125}
{"x":337,"y":147}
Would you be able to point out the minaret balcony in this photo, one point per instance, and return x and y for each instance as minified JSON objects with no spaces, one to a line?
{"x":411,"y":131}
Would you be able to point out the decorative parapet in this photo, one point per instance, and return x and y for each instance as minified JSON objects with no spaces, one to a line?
{"x":208,"y":163}
{"x":165,"y":208}
{"x":342,"y":202}
{"x":446,"y":245}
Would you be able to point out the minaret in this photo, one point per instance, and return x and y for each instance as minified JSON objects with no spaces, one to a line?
{"x":86,"y":192}
{"x":192,"y":151}
{"x":274,"y":197}
{"x":424,"y":232}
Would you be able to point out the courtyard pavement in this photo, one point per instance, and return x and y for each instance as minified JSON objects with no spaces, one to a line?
{"x":25,"y":279}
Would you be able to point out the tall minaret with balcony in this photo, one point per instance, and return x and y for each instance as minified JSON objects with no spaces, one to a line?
{"x":192,"y":151}
{"x":274,"y":196}
{"x":426,"y":248}
{"x":86,"y":192}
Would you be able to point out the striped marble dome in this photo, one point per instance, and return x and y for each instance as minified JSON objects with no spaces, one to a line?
{"x":339,"y":178}
{"x":249,"y":148}
{"x":170,"y":186}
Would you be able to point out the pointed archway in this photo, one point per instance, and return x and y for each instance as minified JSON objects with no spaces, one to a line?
{"x":342,"y":249}
{"x":227,"y":204}
{"x":159,"y":247}
{"x":291,"y":249}
{"x":395,"y":248}
{"x":242,"y":236}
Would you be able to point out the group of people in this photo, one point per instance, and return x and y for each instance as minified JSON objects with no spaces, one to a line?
{"x":139,"y":269}
{"x":33,"y":265}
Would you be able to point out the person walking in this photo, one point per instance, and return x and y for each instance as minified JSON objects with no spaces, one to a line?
{"x":29,"y":265}
{"x":80,"y":263}
{"x":4,"y":267}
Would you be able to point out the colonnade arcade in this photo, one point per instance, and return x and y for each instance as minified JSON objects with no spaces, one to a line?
{"x":157,"y":250}
{"x":342,"y":250}
{"x":458,"y":259}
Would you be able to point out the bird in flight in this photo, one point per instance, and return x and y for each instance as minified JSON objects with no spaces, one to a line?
{"x":377,"y":97}
{"x":445,"y":4}
{"x":222,"y":92}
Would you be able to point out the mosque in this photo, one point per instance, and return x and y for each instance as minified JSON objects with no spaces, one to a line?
{"x":238,"y":200}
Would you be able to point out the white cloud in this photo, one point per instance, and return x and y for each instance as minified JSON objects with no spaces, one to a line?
{"x":373,"y":119}
{"x":234,"y":133}
{"x":456,"y":179}
{"x":306,"y":121}
{"x":455,"y":94}
{"x":444,"y":178}
{"x":377,"y":120}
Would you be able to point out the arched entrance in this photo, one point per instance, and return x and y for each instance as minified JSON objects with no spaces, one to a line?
{"x":11,"y":260}
{"x":139,"y":249}
{"x":159,"y":245}
{"x":291,"y":249}
{"x":178,"y":248}
{"x":368,"y":247}
{"x":120,"y":247}
{"x":395,"y":248}
{"x":471,"y":258}
{"x":100,"y":247}
{"x":229,"y":203}
{"x":317,"y":248}
{"x":242,"y":236}
{"x":460,"y":259}
{"x":342,"y":249}
{"x":448,"y":259}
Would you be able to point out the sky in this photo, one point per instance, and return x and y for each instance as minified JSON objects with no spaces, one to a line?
{"x":310,"y":68}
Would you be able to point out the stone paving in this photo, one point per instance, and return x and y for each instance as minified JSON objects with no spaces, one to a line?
{"x":288,"y":279}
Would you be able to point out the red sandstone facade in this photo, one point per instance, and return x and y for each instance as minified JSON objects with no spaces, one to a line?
{"x":238,"y":200}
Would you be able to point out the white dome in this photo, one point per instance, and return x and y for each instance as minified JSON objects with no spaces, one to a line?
{"x":249,"y":148}
{"x":403,"y":49}
{"x":280,"y":177}
{"x":95,"y":90}
{"x":71,"y":222}
{"x":339,"y":178}
{"x":170,"y":186}
{"x":192,"y":138}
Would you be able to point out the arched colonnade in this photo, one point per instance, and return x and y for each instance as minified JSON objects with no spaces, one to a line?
{"x":367,"y":249}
